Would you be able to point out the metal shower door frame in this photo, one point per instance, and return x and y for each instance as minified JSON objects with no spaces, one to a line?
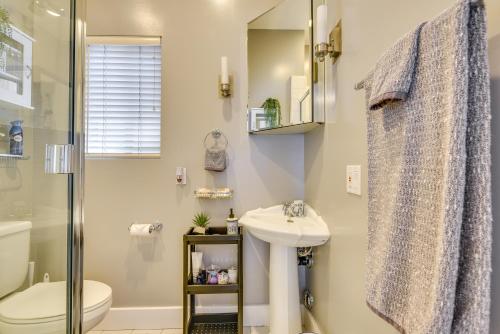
{"x":74,"y":301}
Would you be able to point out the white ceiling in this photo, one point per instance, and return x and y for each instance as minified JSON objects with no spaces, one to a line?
{"x":287,"y":15}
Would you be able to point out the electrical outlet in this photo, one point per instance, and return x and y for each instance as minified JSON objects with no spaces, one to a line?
{"x":353,"y":179}
{"x":180,"y":175}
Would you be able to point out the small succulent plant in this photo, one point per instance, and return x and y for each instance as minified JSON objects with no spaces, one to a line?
{"x":201,"y":219}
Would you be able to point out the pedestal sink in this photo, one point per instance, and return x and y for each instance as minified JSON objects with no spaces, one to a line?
{"x":285,"y":235}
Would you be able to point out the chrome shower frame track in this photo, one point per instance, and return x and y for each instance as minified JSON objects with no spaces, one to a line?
{"x":74,"y":318}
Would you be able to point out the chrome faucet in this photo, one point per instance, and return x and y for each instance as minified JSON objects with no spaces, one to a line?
{"x":287,"y":212}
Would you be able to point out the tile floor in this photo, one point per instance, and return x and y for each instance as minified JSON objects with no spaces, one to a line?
{"x":248,"y":330}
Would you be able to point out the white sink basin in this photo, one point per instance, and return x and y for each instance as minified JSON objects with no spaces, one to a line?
{"x":272,"y":225}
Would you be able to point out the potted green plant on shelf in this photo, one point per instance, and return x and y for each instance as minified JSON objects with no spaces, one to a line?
{"x":200,"y":221}
{"x":272,"y":112}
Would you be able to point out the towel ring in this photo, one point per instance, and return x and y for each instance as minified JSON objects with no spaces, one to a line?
{"x":217,"y":136}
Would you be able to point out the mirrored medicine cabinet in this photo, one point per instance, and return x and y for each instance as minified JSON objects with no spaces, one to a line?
{"x":285,"y":83}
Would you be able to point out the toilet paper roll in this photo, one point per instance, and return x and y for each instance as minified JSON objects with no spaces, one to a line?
{"x":141,"y":230}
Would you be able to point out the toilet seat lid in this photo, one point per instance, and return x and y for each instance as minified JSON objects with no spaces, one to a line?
{"x":45,"y":302}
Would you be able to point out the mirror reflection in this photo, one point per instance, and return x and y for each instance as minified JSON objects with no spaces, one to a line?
{"x":279,"y":67}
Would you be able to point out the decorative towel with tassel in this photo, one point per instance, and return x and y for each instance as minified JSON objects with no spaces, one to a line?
{"x":429,"y":234}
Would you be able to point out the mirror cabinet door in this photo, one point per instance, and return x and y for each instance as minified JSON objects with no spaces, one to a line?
{"x":282,"y":75}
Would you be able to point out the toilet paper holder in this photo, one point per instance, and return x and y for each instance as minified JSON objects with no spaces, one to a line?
{"x":156,"y":227}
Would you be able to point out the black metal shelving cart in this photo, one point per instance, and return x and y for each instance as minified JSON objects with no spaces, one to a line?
{"x":219,"y":323}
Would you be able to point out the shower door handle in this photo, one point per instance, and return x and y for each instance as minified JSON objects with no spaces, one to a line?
{"x":59,"y":158}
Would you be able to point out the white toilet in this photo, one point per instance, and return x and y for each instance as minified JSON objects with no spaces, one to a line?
{"x":40,"y":309}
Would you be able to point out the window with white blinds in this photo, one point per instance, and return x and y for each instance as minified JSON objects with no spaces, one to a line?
{"x":123,"y":99}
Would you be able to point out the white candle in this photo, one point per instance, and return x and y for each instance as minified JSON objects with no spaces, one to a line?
{"x":224,"y":72}
{"x":322,"y":23}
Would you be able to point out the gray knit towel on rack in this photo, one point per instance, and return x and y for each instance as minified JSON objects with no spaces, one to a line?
{"x":393,"y":76}
{"x":429,"y":233}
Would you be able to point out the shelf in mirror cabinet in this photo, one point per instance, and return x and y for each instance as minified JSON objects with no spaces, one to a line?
{"x":287,"y":129}
{"x":6,"y":156}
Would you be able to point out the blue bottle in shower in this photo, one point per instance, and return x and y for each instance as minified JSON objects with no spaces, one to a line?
{"x":16,"y":137}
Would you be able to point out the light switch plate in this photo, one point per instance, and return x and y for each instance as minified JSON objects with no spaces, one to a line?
{"x":353,"y":179}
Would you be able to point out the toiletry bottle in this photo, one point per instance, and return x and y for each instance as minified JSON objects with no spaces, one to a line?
{"x":16,"y":137}
{"x":212,"y":277}
{"x":232,"y":223}
{"x":232,"y":275}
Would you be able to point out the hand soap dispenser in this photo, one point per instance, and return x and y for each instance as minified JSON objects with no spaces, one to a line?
{"x":232,"y":223}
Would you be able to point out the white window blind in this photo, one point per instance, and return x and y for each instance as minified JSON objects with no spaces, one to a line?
{"x":123,"y":100}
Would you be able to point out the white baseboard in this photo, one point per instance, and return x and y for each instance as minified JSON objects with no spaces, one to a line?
{"x":120,"y":318}
{"x":171,"y":316}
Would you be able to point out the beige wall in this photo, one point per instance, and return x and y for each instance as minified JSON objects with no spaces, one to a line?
{"x":262,"y":170}
{"x":273,"y":57}
{"x":369,"y":28}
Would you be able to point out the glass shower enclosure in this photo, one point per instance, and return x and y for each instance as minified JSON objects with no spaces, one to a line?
{"x":41,"y":52}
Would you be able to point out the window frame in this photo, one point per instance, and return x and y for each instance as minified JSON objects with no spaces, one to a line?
{"x":123,"y":40}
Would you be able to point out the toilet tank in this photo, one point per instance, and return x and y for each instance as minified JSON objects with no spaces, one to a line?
{"x":14,"y":254}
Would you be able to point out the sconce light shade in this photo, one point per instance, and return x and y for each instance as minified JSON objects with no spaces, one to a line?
{"x":327,"y":44}
{"x":322,"y":24}
{"x":225,"y":80}
{"x":224,"y":73}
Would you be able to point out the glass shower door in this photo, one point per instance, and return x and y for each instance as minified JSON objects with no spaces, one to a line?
{"x":40,"y":284}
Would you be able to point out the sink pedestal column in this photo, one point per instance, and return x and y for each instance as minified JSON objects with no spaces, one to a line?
{"x":284,"y":302}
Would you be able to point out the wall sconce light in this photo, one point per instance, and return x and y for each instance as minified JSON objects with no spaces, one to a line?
{"x":225,"y":79}
{"x":327,"y":44}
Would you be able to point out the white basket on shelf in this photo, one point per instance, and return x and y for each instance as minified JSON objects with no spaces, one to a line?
{"x":216,"y":193}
